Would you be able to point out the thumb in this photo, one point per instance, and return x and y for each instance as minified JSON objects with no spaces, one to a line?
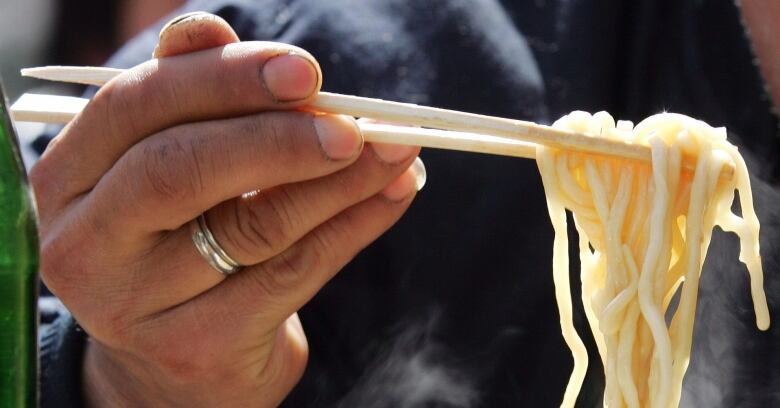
{"x":193,"y":32}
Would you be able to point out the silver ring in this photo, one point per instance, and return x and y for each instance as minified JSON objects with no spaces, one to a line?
{"x":210,"y":249}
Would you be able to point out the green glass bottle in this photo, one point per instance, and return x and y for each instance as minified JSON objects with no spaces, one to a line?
{"x":18,"y":275}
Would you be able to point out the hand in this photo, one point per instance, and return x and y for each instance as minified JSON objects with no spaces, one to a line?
{"x":179,"y":136}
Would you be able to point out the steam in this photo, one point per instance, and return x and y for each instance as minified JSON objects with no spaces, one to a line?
{"x":414,"y":370}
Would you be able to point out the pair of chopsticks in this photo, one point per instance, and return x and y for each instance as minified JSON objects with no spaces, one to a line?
{"x":460,"y":130}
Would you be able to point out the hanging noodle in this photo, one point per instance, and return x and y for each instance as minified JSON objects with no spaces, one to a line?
{"x":644,"y":232}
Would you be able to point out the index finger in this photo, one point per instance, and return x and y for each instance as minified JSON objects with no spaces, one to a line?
{"x":223,"y":82}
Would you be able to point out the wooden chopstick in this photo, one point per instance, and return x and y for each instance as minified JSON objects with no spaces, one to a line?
{"x":416,"y":115}
{"x":62,"y":109}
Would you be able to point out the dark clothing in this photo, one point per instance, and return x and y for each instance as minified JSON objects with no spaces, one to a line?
{"x":62,"y":352}
{"x":454,"y":306}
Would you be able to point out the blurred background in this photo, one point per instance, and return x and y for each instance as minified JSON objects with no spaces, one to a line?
{"x":65,"y":32}
{"x":68,"y":32}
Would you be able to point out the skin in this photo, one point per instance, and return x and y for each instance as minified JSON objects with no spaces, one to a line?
{"x":182,"y":135}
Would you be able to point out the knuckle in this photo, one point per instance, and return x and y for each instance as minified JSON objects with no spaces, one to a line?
{"x":351,"y":185}
{"x":286,"y":272}
{"x":113,"y":103}
{"x":55,"y":270}
{"x":75,"y":280}
{"x":41,"y":183}
{"x":172,"y":170}
{"x":284,"y":208}
{"x":294,"y":266}
{"x":278,"y":132}
{"x":81,"y":282}
{"x":51,"y":190}
{"x":255,"y":234}
{"x":67,"y":276}
{"x":326,"y":243}
{"x":264,"y":227}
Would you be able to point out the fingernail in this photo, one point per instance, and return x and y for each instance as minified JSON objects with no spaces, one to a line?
{"x":412,"y":180}
{"x":420,"y":174}
{"x":290,"y":77}
{"x":187,"y":16}
{"x":392,"y":153}
{"x":338,"y":135}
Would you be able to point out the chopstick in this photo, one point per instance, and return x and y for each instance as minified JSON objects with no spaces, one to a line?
{"x":468,"y":124}
{"x":405,"y":113}
{"x":62,"y":109}
{"x":97,"y":76}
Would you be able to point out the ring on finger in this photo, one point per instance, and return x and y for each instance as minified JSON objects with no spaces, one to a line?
{"x":209,"y":248}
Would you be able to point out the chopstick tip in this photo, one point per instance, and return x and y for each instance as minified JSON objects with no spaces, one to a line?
{"x":27,"y":72}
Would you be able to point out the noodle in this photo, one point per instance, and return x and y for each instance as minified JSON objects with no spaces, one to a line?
{"x":644,"y":232}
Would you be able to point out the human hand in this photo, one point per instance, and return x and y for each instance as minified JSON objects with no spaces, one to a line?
{"x":179,"y":136}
